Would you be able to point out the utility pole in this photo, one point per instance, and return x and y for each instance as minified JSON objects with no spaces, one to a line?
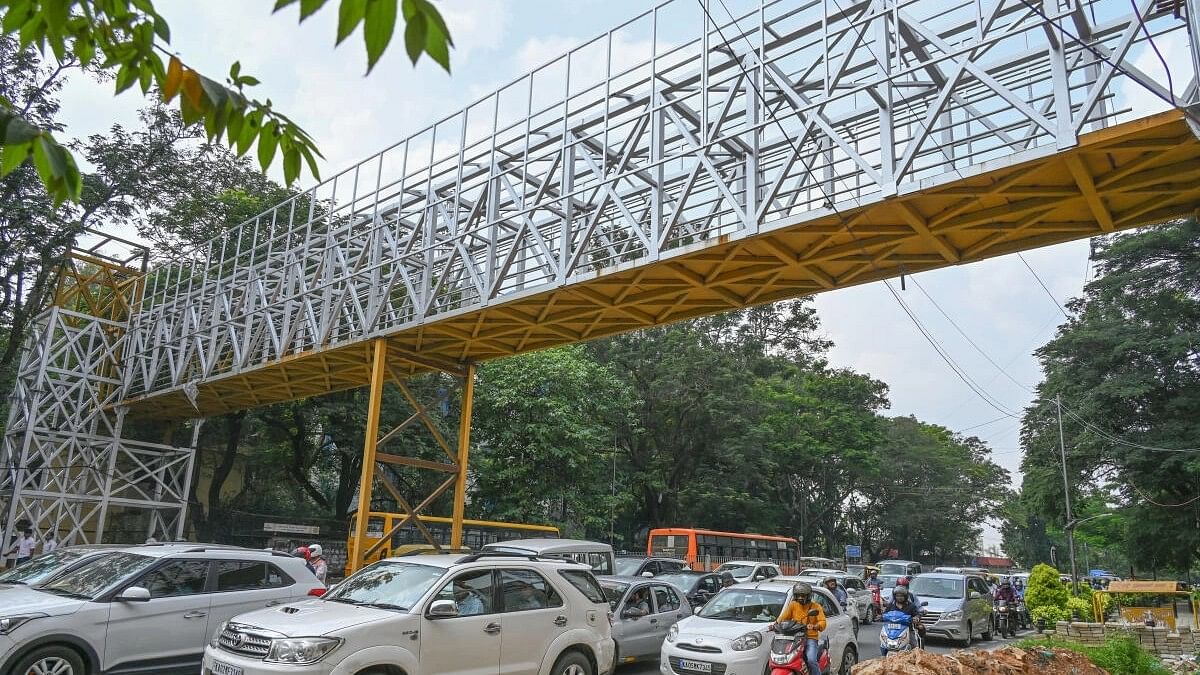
{"x":1062,"y":448}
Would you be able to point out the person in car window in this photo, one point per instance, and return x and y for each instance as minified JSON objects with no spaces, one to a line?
{"x":727,"y":580}
{"x":525,"y":598}
{"x":831,"y":584}
{"x":797,"y":610}
{"x":639,"y":602}
{"x":467,"y":601}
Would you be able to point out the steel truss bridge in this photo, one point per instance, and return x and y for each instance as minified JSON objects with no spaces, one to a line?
{"x":700,"y":157}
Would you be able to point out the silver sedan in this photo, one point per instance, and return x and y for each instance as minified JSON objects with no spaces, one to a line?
{"x":643,"y":610}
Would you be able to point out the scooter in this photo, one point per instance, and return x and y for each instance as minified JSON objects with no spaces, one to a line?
{"x":1004,"y":619}
{"x":898,"y":633}
{"x":1022,"y":614}
{"x":787,"y":649}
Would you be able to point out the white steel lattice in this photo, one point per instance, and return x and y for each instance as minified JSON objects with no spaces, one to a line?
{"x":655,"y":139}
{"x":64,"y":467}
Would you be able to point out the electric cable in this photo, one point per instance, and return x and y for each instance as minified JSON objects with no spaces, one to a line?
{"x":1043,"y":285}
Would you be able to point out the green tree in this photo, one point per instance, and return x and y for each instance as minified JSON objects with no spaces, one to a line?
{"x":544,"y":442}
{"x":129,"y":41}
{"x":1127,"y":369}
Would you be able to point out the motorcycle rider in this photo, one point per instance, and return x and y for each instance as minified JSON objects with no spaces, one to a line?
{"x":1006,"y":593}
{"x":1019,"y":587}
{"x":902,"y":601}
{"x":903,"y":581}
{"x":873,"y":581}
{"x":797,"y":610}
{"x":831,"y":584}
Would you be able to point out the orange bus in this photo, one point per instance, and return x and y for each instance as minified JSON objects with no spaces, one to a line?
{"x":706,"y":549}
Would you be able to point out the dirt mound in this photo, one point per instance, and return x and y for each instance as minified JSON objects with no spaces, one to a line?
{"x":1007,"y":661}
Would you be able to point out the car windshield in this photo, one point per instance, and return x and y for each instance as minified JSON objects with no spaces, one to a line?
{"x":628,"y":566}
{"x":748,"y":605}
{"x":44,"y":566}
{"x":93,"y":578}
{"x":614,"y":591}
{"x":686,"y":582}
{"x":394,"y":585}
{"x":738,"y":571}
{"x":933,"y":587}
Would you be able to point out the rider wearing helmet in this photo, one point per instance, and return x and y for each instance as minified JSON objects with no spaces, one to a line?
{"x":320,"y":567}
{"x":831,"y":584}
{"x":903,"y":601}
{"x":903,"y":581}
{"x":797,"y":610}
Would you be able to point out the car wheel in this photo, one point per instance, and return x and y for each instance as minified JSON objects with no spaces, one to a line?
{"x":572,"y":663}
{"x":966,"y":642}
{"x":52,"y":660}
{"x":854,"y":627}
{"x":988,"y":635}
{"x":849,"y":659}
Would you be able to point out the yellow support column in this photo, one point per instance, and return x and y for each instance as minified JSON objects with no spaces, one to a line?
{"x":464,"y":455}
{"x":370,"y":441}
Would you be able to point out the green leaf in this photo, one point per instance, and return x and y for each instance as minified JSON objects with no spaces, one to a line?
{"x":280,"y":4}
{"x":350,"y":14}
{"x":56,"y":12}
{"x":235,"y":70}
{"x":85,"y":50}
{"x":378,"y":28}
{"x":248,"y":81}
{"x":291,"y":165}
{"x":13,"y":156}
{"x":267,"y":142}
{"x":414,"y":37}
{"x":437,"y":45}
{"x":16,"y":129}
{"x":161,"y":29}
{"x":310,"y":7}
{"x":126,"y":77}
{"x":249,"y":132}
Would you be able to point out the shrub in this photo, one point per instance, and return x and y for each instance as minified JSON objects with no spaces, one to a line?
{"x":1118,"y":655}
{"x":1045,"y":589}
{"x":1080,"y":607}
{"x":1049,"y":615}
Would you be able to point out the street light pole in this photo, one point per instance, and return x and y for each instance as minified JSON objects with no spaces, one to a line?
{"x":1062,"y":448}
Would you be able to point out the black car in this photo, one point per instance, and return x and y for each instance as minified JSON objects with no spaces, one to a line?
{"x":699,"y":587}
{"x":640,"y":566}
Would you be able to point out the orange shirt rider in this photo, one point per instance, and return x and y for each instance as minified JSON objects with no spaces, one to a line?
{"x":798,"y":612}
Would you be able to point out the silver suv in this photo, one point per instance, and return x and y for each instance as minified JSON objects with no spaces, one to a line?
{"x":142,"y":608}
{"x":431,"y":614}
{"x":960,"y":606}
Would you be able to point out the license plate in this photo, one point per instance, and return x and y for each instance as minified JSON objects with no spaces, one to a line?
{"x":219,"y":668}
{"x":894,"y":626}
{"x":695,"y":666}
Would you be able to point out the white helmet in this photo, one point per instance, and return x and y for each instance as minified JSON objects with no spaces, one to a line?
{"x":315,"y":550}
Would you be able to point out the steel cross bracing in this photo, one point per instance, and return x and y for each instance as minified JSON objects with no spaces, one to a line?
{"x":684,"y":163}
{"x":65,"y":467}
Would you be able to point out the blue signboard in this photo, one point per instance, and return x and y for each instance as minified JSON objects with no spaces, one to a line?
{"x":853,"y":551}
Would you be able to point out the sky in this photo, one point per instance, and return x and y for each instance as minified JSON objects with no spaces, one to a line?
{"x":998,"y":304}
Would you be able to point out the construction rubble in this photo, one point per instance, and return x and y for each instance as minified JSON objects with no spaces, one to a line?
{"x":1006,"y":661}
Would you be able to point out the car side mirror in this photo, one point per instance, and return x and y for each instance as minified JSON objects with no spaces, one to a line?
{"x":925,"y":603}
{"x":648,"y":574}
{"x":974,"y":595}
{"x":134,"y":594}
{"x":443,"y":609}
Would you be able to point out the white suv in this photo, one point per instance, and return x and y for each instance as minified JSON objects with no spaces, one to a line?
{"x":142,"y":608}
{"x":431,"y":614}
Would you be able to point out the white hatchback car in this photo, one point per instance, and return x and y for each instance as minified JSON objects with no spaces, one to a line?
{"x":729,"y":636}
{"x":146,"y":609}
{"x":431,"y":614}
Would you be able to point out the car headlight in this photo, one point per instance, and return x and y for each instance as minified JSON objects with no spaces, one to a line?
{"x":953,"y":615}
{"x":213,"y":641}
{"x":749,"y":641}
{"x":10,"y":623}
{"x":672,"y":632}
{"x":301,"y":651}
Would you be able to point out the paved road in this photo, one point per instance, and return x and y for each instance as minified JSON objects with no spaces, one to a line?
{"x":868,"y":648}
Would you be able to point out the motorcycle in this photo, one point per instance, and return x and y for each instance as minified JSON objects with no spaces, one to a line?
{"x":1004,"y":619}
{"x":898,"y":633}
{"x":1022,"y":614}
{"x":877,"y":601}
{"x":788,"y":647}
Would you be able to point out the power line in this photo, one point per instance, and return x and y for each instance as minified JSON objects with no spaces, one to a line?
{"x":1043,"y":285}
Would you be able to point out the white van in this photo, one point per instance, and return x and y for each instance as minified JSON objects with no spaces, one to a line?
{"x":594,"y":554}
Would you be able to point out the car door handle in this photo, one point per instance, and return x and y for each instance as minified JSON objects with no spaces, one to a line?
{"x":195,"y":615}
{"x":653,"y":620}
{"x":492,"y":628}
{"x":560,"y":620}
{"x":272,"y":603}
